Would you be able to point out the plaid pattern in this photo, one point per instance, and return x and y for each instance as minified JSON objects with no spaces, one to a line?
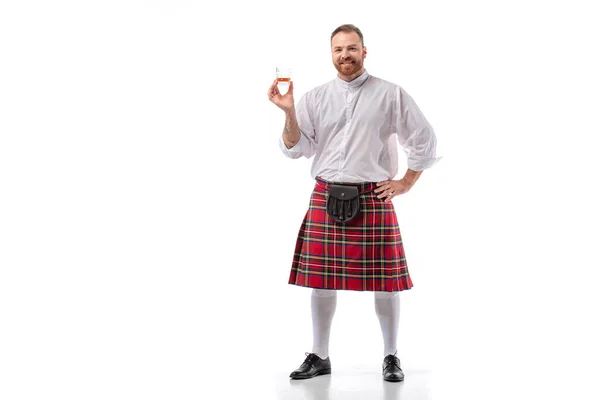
{"x":365,"y":255}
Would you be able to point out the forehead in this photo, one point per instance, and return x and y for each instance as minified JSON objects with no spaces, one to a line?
{"x":344,"y":39}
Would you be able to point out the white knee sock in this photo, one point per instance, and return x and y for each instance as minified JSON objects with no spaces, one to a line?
{"x":387,"y":307}
{"x":323,"y":303}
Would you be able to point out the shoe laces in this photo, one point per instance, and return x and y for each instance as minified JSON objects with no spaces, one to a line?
{"x":311,"y":358}
{"x":392,"y":360}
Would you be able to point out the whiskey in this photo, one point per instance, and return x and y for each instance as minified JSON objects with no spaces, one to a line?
{"x":284,"y":80}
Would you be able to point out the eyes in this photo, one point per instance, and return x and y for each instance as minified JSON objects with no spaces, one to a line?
{"x":349,"y":49}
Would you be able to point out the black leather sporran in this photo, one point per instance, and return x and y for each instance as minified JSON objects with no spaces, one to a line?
{"x":343,"y":203}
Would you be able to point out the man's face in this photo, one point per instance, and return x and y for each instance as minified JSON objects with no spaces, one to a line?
{"x":348,"y":54}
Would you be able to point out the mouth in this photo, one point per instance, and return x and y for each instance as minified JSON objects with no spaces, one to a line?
{"x":347,"y":63}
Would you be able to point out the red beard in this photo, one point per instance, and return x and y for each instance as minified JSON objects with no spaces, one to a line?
{"x":348,"y":69}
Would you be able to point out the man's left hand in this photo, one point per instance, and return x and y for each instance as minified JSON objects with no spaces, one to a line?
{"x":391,"y":189}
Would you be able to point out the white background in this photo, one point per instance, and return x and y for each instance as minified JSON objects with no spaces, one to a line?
{"x":148,"y":217}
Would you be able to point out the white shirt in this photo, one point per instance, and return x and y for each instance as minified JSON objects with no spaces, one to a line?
{"x":352,"y":129}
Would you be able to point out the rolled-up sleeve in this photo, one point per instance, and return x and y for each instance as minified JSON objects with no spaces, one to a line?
{"x":415,"y":134}
{"x":307,"y":145}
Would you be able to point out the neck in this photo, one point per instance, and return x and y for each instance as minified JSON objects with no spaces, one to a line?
{"x":350,"y":78}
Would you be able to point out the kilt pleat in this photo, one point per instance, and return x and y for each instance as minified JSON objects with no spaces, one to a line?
{"x":366,"y":254}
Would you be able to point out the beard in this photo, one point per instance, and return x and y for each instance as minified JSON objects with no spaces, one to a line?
{"x":348,"y":69}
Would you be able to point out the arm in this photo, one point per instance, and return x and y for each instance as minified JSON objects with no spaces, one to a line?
{"x":393,"y":188}
{"x":418,"y":140}
{"x":415,"y":135}
{"x":298,"y":138}
{"x":291,"y":130}
{"x":411,"y":177}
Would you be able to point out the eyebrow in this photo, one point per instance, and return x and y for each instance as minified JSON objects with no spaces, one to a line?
{"x":350,"y":45}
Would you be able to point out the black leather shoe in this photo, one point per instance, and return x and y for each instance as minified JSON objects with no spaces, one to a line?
{"x":391,"y":369}
{"x":312,"y":366}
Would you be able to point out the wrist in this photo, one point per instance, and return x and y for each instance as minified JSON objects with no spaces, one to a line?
{"x":411,"y":177}
{"x":289,"y":143}
{"x":407,"y":182}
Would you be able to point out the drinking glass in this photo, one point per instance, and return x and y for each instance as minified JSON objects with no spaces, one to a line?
{"x":284,"y":77}
{"x":284,"y":74}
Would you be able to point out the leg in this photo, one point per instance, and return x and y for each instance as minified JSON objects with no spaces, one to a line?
{"x":387,"y":307}
{"x":323,"y":304}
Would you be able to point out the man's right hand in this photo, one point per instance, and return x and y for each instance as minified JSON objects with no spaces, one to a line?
{"x":285,"y":102}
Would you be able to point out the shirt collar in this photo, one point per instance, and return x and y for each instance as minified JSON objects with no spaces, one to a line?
{"x":354,"y":84}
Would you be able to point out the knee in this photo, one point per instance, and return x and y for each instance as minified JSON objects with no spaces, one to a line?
{"x":324,"y":292}
{"x":386,"y":295}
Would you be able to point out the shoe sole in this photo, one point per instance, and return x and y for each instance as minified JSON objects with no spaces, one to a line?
{"x":323,"y":372}
{"x":393,"y":380}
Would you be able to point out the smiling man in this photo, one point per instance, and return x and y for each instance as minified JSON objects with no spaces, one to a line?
{"x":348,"y":54}
{"x":350,"y":238}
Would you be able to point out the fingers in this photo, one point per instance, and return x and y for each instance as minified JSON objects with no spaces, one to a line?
{"x":273,"y":90}
{"x":390,"y":196}
{"x":390,"y":189}
{"x":386,"y":190}
{"x":273,"y":85}
{"x":383,"y":186}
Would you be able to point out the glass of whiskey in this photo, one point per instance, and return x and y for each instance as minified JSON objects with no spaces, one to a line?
{"x":284,"y":74}
{"x":284,"y":77}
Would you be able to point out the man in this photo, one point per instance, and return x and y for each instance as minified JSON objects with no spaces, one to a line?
{"x":351,"y":125}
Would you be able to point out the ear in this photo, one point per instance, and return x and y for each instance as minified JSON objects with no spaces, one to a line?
{"x":364,"y":51}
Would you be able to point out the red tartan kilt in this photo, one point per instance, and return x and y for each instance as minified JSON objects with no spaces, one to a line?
{"x":365,"y":255}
